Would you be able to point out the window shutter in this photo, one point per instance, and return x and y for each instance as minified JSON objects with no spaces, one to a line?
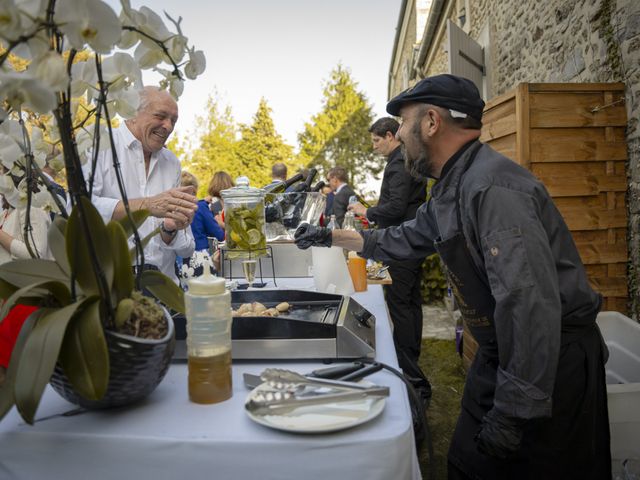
{"x":466,"y":56}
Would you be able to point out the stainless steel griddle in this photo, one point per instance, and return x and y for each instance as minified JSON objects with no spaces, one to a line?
{"x":317,"y":326}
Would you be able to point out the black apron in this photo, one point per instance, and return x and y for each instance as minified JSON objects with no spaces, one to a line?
{"x":574,"y":442}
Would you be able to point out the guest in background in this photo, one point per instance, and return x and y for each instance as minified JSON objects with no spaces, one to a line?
{"x":328,"y":209}
{"x":203,"y":226}
{"x":221,"y":181}
{"x":337,"y":180}
{"x":278,"y":172}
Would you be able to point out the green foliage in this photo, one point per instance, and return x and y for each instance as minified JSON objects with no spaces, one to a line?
{"x":338,"y":134}
{"x":261,"y":146}
{"x":434,"y":281}
{"x":237,"y":149}
{"x":75,"y":308}
{"x":216,"y":134}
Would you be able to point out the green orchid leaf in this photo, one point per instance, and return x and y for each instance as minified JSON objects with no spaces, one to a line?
{"x":123,"y":280}
{"x":84,"y":356}
{"x":23,"y":272}
{"x":144,"y":242}
{"x":78,"y":244}
{"x":139,"y":216}
{"x":57,"y":243}
{"x":7,"y":398}
{"x":38,"y":290}
{"x":39,"y":357}
{"x":164,"y":289}
{"x":6,"y":290}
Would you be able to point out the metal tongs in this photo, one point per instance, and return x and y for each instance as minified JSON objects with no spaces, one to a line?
{"x":285,"y":383}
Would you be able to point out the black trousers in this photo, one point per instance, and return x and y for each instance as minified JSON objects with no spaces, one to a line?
{"x":404,"y":300}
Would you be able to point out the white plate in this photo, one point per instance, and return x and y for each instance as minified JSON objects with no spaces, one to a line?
{"x":329,"y":417}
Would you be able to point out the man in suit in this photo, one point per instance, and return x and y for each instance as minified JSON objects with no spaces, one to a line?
{"x":337,"y":179}
{"x":400,"y":197}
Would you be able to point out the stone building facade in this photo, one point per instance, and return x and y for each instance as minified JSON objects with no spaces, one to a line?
{"x":543,"y":42}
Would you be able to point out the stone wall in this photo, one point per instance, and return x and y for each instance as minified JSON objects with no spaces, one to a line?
{"x":568,"y":41}
{"x":410,"y":40}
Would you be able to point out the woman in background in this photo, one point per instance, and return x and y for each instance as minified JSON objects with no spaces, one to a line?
{"x":203,"y":226}
{"x":220,"y":181}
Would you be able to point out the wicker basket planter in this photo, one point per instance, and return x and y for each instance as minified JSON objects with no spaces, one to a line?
{"x":137,"y":366}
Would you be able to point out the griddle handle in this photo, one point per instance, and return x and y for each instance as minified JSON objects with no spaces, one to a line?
{"x":363,"y":317}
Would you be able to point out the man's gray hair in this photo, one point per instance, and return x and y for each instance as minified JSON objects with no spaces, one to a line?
{"x":145,"y":93}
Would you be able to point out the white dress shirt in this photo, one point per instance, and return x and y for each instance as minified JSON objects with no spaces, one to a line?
{"x":164,"y":174}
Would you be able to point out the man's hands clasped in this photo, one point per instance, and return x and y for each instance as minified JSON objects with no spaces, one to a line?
{"x":312,"y":236}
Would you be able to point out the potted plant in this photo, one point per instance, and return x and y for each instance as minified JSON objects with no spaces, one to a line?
{"x":63,"y":102}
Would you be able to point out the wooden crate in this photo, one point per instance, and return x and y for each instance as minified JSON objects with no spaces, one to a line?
{"x":572,"y":137}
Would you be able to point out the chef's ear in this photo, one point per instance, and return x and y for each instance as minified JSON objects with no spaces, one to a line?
{"x":431,"y":121}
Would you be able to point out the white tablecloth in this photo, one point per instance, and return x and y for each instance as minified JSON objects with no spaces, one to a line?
{"x":168,"y":437}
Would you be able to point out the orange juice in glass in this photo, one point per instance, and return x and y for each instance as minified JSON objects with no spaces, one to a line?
{"x":358,"y":271}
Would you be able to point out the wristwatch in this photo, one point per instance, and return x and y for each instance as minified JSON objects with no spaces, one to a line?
{"x":164,"y":229}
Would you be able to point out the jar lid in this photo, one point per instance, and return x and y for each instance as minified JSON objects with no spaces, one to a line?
{"x":242,"y":189}
{"x":207,"y":285}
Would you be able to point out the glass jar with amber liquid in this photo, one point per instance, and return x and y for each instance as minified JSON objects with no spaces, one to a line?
{"x":208,"y":309}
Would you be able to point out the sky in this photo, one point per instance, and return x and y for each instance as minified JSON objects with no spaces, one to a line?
{"x":282,"y":50}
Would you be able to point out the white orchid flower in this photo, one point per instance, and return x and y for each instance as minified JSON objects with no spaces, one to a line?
{"x":125,"y":103}
{"x":52,"y":70}
{"x":148,"y":56}
{"x":35,"y":47}
{"x":151,"y":23}
{"x":88,"y":21}
{"x":121,"y":71}
{"x":10,"y":151}
{"x":177,"y":45}
{"x":196,"y":65}
{"x":9,"y":191}
{"x":10,"y":20}
{"x":83,"y":76}
{"x":20,"y":89}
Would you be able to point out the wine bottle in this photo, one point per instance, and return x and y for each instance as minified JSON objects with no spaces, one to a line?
{"x":280,"y":186}
{"x":306,"y":185}
{"x":318,"y":186}
{"x":358,"y":199}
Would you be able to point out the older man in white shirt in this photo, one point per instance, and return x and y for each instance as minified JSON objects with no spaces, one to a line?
{"x":151,"y":178}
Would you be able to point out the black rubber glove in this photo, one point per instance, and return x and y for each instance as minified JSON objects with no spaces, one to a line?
{"x":499,"y":436}
{"x":312,"y":236}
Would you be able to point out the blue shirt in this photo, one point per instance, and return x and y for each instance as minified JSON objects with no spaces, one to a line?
{"x":204,"y":225}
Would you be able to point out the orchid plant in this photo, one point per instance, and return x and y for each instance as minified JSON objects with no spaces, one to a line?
{"x":68,"y":68}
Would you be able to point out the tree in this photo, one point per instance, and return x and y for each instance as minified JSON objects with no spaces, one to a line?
{"x":261,"y":146}
{"x":217,"y":149}
{"x":338,"y":135}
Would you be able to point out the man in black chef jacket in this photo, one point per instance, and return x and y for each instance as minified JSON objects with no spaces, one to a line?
{"x":535,"y":400}
{"x":400,"y":196}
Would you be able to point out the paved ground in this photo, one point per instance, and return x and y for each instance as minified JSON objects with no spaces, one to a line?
{"x":438,"y":322}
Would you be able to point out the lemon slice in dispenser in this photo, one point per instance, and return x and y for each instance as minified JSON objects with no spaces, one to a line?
{"x":254,"y":237}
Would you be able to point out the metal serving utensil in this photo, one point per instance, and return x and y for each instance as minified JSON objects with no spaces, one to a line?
{"x":278,"y":403}
{"x":282,"y":379}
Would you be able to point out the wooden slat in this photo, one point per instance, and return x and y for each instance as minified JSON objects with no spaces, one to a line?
{"x":590,"y":134}
{"x":600,"y":237}
{"x":576,"y":87}
{"x":591,"y":201}
{"x":498,"y":128}
{"x":523,"y":122}
{"x":591,"y":218}
{"x":505,"y":145}
{"x":577,"y":151}
{"x":499,"y":110}
{"x":617,"y":269}
{"x":616,"y":304}
{"x":553,"y":110}
{"x":610,"y":286}
{"x":598,"y":254}
{"x":504,"y":98}
{"x":572,"y":169}
{"x":579,"y":185}
{"x":596,"y":270}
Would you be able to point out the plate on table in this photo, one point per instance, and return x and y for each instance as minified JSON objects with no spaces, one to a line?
{"x":325,"y":418}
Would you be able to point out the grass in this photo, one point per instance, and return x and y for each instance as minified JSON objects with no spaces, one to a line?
{"x":443,"y":367}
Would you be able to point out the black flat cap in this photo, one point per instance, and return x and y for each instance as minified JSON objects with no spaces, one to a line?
{"x":446,"y":91}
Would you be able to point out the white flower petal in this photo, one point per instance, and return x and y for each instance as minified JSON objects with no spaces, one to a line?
{"x":196,"y":65}
{"x":20,"y":89}
{"x":88,"y":21}
{"x":52,"y":70}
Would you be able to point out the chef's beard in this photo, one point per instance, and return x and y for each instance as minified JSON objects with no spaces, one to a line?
{"x":419,"y":167}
